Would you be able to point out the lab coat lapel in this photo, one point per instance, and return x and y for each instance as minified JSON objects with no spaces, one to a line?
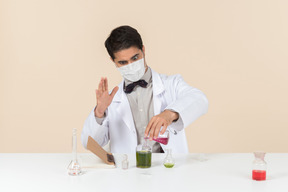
{"x":124,"y":110}
{"x":158,"y":89}
{"x":158,"y":98}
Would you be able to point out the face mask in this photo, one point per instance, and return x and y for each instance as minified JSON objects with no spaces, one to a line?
{"x":133,"y":71}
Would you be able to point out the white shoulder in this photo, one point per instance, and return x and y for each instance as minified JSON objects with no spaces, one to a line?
{"x":171,"y":78}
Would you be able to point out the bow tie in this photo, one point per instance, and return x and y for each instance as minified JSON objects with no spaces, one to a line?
{"x":129,"y":88}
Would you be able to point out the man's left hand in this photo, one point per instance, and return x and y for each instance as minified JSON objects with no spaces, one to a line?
{"x":164,"y":119}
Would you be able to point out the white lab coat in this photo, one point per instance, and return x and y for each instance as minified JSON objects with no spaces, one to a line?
{"x":169,"y":92}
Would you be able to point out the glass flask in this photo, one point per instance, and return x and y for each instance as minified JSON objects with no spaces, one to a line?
{"x":143,"y":155}
{"x":125,"y":162}
{"x":74,"y":167}
{"x":259,"y":167}
{"x":162,"y":138}
{"x":169,"y":161}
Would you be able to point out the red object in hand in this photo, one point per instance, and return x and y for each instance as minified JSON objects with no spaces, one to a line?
{"x":162,"y":138}
{"x":164,"y":141}
{"x":259,"y":175}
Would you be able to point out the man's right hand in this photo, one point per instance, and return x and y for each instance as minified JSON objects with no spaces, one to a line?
{"x":103,"y":97}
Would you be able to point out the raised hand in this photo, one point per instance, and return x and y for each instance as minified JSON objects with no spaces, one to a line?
{"x":103,"y":97}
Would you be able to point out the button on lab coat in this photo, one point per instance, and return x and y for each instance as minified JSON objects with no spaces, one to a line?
{"x":169,"y":92}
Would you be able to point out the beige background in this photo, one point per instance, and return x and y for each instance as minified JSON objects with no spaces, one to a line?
{"x":53,"y":55}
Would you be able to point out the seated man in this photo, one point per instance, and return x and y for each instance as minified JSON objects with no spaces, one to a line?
{"x":145,"y":103}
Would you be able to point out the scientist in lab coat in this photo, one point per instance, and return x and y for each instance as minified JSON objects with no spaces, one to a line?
{"x":145,"y":103}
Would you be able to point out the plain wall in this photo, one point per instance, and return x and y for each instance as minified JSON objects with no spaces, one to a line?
{"x":52,"y":57}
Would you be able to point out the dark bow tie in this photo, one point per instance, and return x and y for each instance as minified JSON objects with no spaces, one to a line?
{"x":129,"y":88}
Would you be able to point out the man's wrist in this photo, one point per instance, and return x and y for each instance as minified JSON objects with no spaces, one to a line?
{"x":174,"y":115}
{"x":97,"y":114}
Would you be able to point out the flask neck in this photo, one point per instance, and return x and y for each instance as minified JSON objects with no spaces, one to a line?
{"x":74,"y":144}
{"x":259,"y":155}
{"x":169,"y":152}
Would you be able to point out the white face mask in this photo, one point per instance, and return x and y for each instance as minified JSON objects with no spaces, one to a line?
{"x":133,"y":71}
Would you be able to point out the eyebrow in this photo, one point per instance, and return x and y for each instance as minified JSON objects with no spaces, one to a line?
{"x":130,"y":58}
{"x":134,"y":56}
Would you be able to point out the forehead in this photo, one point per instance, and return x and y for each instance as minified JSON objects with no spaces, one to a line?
{"x":126,"y":54}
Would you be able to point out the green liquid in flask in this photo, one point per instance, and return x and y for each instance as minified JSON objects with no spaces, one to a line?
{"x":143,"y":159}
{"x":169,"y":165}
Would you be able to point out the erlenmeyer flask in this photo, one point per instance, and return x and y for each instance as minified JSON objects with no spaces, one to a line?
{"x":169,"y":161}
{"x":162,"y":138}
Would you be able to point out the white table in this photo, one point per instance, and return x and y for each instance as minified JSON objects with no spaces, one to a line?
{"x":220,"y":172}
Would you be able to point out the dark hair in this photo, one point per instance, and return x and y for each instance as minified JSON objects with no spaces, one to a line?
{"x":122,"y":37}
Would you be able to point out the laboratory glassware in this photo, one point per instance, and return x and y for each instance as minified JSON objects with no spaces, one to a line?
{"x":162,"y":138}
{"x":74,"y":167}
{"x":259,"y":167}
{"x":143,"y":155}
{"x":125,"y":162}
{"x":169,"y":161}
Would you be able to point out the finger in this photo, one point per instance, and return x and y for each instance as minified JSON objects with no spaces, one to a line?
{"x":152,"y":130}
{"x":103,"y":84}
{"x":148,"y":127}
{"x":100,"y":86}
{"x":97,"y":94}
{"x":106,"y":84}
{"x":164,"y":128}
{"x":157,"y":129}
{"x":114,"y":91}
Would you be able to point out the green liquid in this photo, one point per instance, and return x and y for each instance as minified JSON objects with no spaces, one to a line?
{"x":143,"y":159}
{"x":169,"y":165}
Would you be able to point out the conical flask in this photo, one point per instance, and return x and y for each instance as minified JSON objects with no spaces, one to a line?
{"x":169,"y":161}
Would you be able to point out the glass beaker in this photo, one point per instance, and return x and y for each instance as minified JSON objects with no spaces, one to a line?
{"x":162,"y":138}
{"x":259,"y":167}
{"x":169,"y":161}
{"x":125,"y":162}
{"x":143,"y":155}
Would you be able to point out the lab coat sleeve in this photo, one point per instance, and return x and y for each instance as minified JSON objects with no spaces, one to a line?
{"x":189,"y":102}
{"x":100,"y":120}
{"x":98,"y":132}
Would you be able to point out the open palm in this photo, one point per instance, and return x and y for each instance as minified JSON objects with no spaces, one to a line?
{"x":103,"y":97}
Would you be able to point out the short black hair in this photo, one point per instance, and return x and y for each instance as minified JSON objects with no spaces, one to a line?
{"x":122,"y":37}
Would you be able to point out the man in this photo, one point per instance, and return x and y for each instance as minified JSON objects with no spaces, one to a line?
{"x":144,"y":104}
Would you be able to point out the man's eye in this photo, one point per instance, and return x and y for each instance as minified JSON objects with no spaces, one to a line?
{"x":135,"y":58}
